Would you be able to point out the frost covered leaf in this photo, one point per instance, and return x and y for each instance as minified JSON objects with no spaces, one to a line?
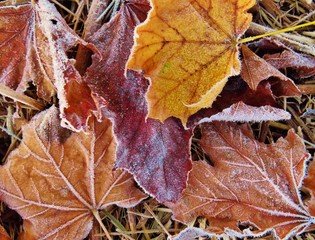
{"x":309,"y":184}
{"x":256,"y":69}
{"x":284,"y":57}
{"x":14,"y":33}
{"x":305,"y":65}
{"x":55,"y":178}
{"x":34,"y":39}
{"x":194,"y":233}
{"x":251,"y":184}
{"x":261,"y":101}
{"x":240,"y":112}
{"x":157,"y":154}
{"x":188,"y":64}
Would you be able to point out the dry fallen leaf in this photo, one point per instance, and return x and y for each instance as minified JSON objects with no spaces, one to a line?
{"x":14,"y":28}
{"x":261,"y":101}
{"x":157,"y":154}
{"x":250,"y":184}
{"x":188,"y":49}
{"x":304,"y":64}
{"x":284,"y":57}
{"x":309,"y":184}
{"x":34,"y":39}
{"x":256,"y":69}
{"x":55,"y":178}
{"x":241,"y":112}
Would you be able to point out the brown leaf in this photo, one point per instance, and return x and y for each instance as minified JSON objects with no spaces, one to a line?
{"x":241,"y":112}
{"x":305,"y":65}
{"x":255,"y":69}
{"x":33,"y":43}
{"x":251,"y":184}
{"x":285,"y":57}
{"x":238,"y":91}
{"x":56,"y":178}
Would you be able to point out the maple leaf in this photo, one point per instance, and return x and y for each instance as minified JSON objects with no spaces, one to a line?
{"x":188,"y":64}
{"x":55,"y":178}
{"x":263,"y":70}
{"x":33,"y":44}
{"x":251,"y":184}
{"x":157,"y":154}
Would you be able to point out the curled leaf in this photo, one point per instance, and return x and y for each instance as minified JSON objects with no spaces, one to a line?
{"x":240,"y":112}
{"x":256,"y":69}
{"x":262,"y":101}
{"x":305,"y":65}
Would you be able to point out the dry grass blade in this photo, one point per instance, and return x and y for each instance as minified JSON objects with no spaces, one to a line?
{"x":156,"y":219}
{"x":20,"y":97}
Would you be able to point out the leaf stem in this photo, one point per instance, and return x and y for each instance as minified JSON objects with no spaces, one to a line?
{"x":288,"y":29}
{"x":98,"y":218}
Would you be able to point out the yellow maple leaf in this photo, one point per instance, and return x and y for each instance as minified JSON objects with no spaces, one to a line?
{"x":188,"y":49}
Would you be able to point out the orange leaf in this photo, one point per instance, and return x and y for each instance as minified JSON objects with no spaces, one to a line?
{"x":188,"y":49}
{"x":56,"y":178}
{"x":309,"y":184}
{"x":251,"y":184}
{"x":3,"y":234}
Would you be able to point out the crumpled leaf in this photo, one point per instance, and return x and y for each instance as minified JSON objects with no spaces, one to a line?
{"x":250,"y":184}
{"x":256,"y":69}
{"x":55,"y":178}
{"x":188,"y":49}
{"x":157,"y":154}
{"x":34,"y":39}
{"x":240,"y":112}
